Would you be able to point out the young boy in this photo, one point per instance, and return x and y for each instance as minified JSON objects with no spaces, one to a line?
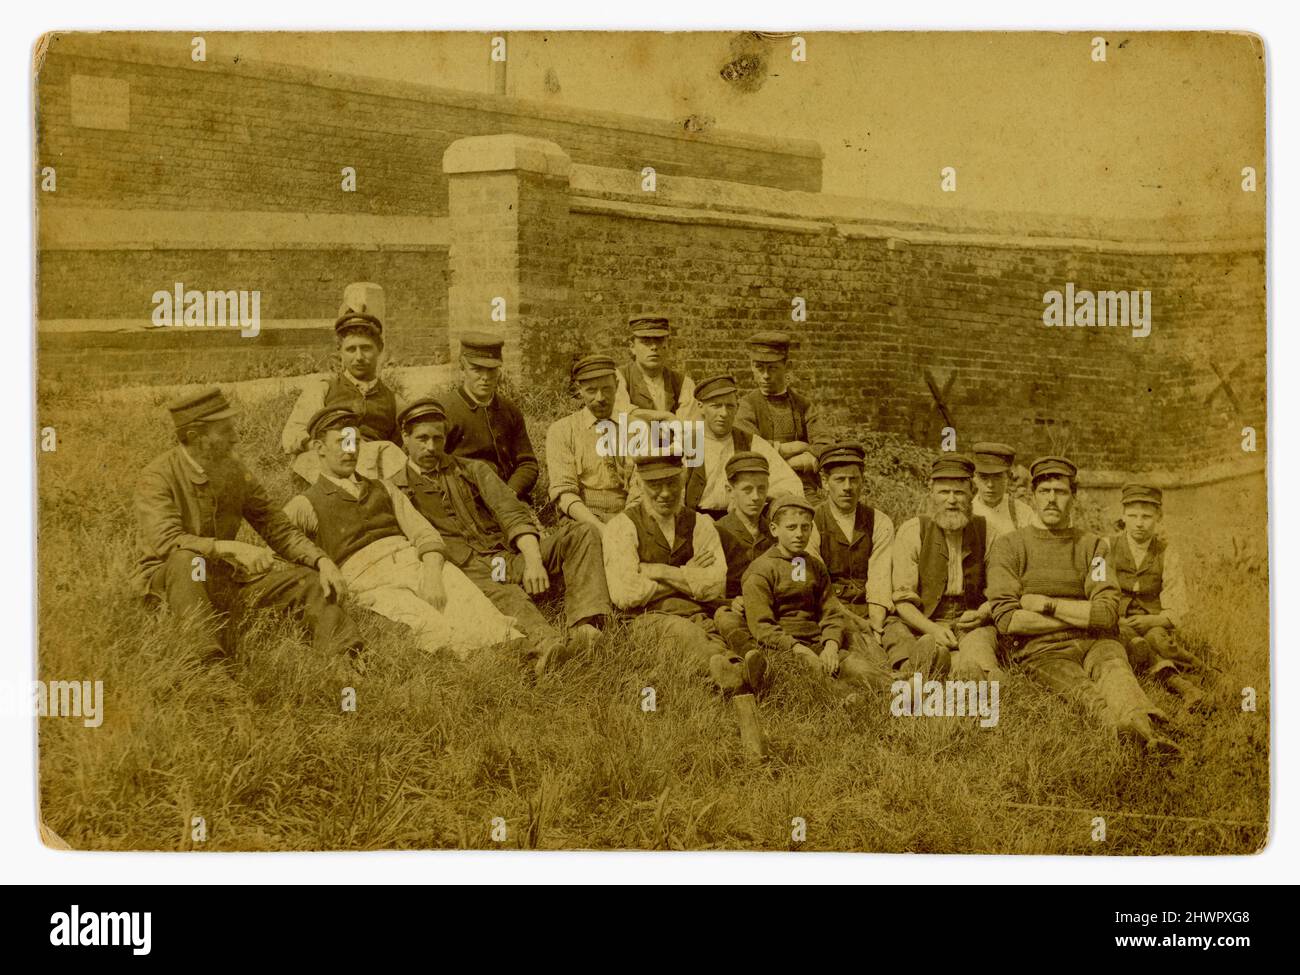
{"x":359,"y":335}
{"x":646,"y":383}
{"x":744,"y":538}
{"x":790,"y":605}
{"x":1153,"y":599}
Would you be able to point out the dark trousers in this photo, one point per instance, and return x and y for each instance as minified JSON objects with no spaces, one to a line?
{"x":293,"y":589}
{"x":572,"y":551}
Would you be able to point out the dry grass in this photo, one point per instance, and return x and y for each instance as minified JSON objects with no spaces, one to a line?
{"x":436,"y":749}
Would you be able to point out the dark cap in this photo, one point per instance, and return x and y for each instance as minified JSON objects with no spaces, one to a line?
{"x":331,"y":418}
{"x":1052,"y":467}
{"x":843,"y":452}
{"x":954,"y":466}
{"x":745,"y":462}
{"x":649,"y":326}
{"x":1134,"y":492}
{"x":201,"y":407}
{"x":481,"y":349}
{"x":781,"y":501}
{"x":362,"y":308}
{"x":420,"y":409}
{"x":654,"y":468}
{"x":993,"y":458}
{"x":768,"y":346}
{"x":715,"y":386}
{"x":592,"y":367}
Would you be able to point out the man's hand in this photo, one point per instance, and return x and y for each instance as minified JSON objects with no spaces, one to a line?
{"x":253,"y":559}
{"x":738,"y":605}
{"x":973,"y":618}
{"x":802,"y":463}
{"x":432,"y":590}
{"x":830,"y":658}
{"x":536,"y":579}
{"x":1145,"y":623}
{"x":945,"y":638}
{"x":331,"y":579}
{"x":701,"y":560}
{"x":1035,"y":603}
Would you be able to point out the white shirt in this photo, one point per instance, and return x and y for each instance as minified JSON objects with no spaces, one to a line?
{"x":349,"y":484}
{"x":998,"y":518}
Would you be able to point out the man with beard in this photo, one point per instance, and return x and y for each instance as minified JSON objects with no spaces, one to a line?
{"x":779,"y":414}
{"x":665,"y":566}
{"x":586,"y":484}
{"x":482,"y":423}
{"x":189,"y":504}
{"x":855,"y":541}
{"x":492,"y":537}
{"x":359,"y":336}
{"x":941,"y":620}
{"x":993,"y":501}
{"x":647,"y":383}
{"x":706,"y":483}
{"x":391,"y":557}
{"x":1055,"y":603}
{"x":1150,"y":578}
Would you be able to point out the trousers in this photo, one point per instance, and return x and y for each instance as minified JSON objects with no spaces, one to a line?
{"x":1093,"y":673}
{"x":976,"y":656}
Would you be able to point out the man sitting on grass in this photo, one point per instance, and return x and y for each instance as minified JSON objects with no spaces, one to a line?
{"x":790,"y":605}
{"x":494,"y":540}
{"x":359,"y":336}
{"x":664,"y":564}
{"x":1055,"y":602}
{"x":744,"y":535}
{"x":189,"y":504}
{"x":391,"y":557}
{"x":1150,"y":579}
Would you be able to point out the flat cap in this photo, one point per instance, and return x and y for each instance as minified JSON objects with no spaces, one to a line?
{"x":1133,"y":492}
{"x":427,"y":408}
{"x":715,"y":386}
{"x":362,"y":308}
{"x":993,"y":458}
{"x":1052,"y":467}
{"x":952,"y":466}
{"x":782,"y":501}
{"x":842,"y":452}
{"x":649,"y":326}
{"x":331,"y":418}
{"x":657,"y":467}
{"x":592,"y":367}
{"x":481,"y":349}
{"x":745,"y":462}
{"x":768,"y":346}
{"x":202,"y":407}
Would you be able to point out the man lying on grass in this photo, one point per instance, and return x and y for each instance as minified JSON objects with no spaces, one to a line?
{"x":493,"y":538}
{"x":1153,"y":598}
{"x":1055,"y":602}
{"x":391,"y":557}
{"x":665,"y":567}
{"x":189,"y":503}
{"x":790,"y":606}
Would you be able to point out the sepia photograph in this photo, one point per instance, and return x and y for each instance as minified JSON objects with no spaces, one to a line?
{"x":625,"y":440}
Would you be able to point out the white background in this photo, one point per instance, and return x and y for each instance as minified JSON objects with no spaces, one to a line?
{"x":25,"y":860}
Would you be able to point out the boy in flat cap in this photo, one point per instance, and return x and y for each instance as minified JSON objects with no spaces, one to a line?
{"x":855,"y":541}
{"x":391,"y":557}
{"x":1056,"y":606}
{"x":790,"y":604}
{"x":1153,"y":598}
{"x":189,"y":503}
{"x":493,"y":538}
{"x":993,"y":502}
{"x":744,"y":533}
{"x":482,"y":423}
{"x":359,"y":337}
{"x":780,"y":415}
{"x":941,"y":620}
{"x":706,"y":483}
{"x":646,"y":382}
{"x":585,"y":484}
{"x":665,"y":567}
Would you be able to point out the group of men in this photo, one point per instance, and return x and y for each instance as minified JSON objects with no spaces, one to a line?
{"x":724,"y":556}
